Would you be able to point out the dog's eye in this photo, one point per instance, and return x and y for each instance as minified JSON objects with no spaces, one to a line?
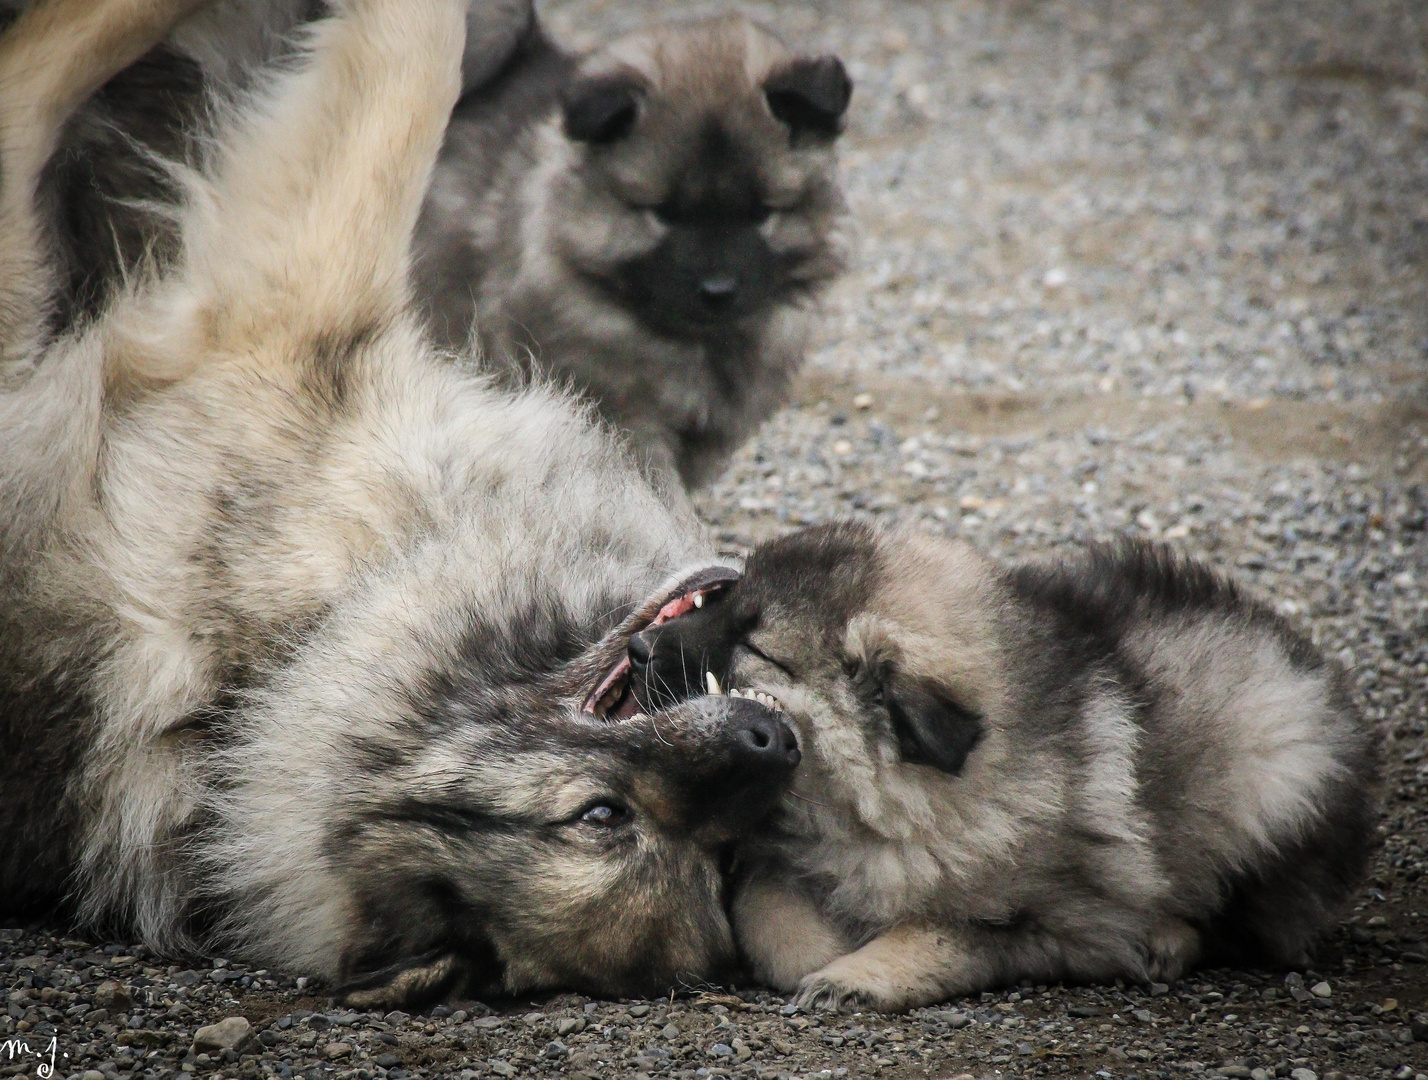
{"x":605,"y":815}
{"x":765,"y":657}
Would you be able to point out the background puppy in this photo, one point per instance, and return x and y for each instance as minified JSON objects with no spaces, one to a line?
{"x":647,"y":223}
{"x":1111,"y":766}
{"x":298,"y":620}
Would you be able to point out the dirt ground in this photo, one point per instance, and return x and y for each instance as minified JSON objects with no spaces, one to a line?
{"x":1150,"y":267}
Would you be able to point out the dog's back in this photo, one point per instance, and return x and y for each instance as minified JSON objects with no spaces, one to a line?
{"x":1252,"y":767}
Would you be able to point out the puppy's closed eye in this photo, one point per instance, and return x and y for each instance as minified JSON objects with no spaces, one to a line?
{"x":932,"y":728}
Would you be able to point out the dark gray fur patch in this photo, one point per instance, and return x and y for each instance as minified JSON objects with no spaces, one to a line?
{"x":1086,"y":606}
{"x":107,"y":167}
{"x":46,"y":731}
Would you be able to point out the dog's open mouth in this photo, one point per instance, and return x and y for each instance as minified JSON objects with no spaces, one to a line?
{"x":612,"y":697}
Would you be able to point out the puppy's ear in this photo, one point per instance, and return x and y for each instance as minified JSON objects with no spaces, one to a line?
{"x":495,"y":31}
{"x":602,"y":108}
{"x":932,"y":727}
{"x":810,"y":94}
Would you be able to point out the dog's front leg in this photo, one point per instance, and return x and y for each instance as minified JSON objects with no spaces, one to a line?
{"x":301,"y":248}
{"x":781,"y":932}
{"x":910,"y":965}
{"x":52,"y":59}
{"x":917,"y":963}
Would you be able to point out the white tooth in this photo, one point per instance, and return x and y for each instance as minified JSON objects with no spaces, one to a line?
{"x":711,"y":683}
{"x":699,"y":599}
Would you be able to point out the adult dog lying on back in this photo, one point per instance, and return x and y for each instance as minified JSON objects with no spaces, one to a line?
{"x":299,"y":621}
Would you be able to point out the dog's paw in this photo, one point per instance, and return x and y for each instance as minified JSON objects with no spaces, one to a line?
{"x":819,"y":993}
{"x":847,"y":985}
{"x":416,"y":984}
{"x":906,"y":967}
{"x":1172,"y":947}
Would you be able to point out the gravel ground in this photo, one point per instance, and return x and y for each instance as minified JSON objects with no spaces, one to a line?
{"x":1154,"y":267}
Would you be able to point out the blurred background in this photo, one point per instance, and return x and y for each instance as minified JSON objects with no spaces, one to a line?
{"x":1156,"y":267}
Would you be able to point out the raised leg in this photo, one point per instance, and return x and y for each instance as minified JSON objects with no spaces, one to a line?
{"x":52,"y":59}
{"x":304,"y":234}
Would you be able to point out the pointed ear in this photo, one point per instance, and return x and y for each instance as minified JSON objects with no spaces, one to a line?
{"x":602,"y":108}
{"x":495,"y":31}
{"x":932,"y":727}
{"x":810,"y":94}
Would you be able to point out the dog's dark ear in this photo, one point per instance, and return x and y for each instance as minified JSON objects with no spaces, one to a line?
{"x":810,"y":94}
{"x":932,"y":727}
{"x":602,"y":108}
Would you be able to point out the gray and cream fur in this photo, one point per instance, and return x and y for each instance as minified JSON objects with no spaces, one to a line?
{"x":648,"y":223}
{"x":1112,"y":766}
{"x":298,"y":616}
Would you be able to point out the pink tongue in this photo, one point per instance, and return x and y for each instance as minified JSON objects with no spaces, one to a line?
{"x":676,"y":607}
{"x":672,"y":610}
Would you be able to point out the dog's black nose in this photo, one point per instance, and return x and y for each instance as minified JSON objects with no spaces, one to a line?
{"x":740,"y":785}
{"x":763,"y":736}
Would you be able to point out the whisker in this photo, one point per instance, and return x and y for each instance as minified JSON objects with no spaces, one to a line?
{"x":812,"y":802}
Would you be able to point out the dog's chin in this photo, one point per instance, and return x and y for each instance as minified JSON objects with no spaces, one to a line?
{"x":613,"y":697}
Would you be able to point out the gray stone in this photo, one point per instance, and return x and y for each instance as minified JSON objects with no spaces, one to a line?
{"x":568,"y":1025}
{"x":112,"y":995}
{"x":233,"y":1033}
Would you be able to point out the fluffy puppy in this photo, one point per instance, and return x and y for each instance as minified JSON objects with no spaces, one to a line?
{"x":299,"y":621}
{"x":1116,"y":765}
{"x":648,"y":223}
